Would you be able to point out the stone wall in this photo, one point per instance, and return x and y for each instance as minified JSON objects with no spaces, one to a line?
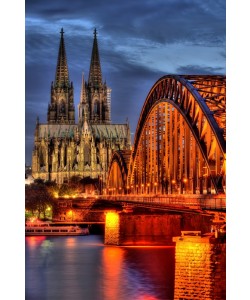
{"x":200,"y":268}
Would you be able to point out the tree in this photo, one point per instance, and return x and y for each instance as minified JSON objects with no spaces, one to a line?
{"x":38,"y":198}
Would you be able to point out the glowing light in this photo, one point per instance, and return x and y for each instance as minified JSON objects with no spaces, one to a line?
{"x":112,"y":219}
{"x":112,"y":226}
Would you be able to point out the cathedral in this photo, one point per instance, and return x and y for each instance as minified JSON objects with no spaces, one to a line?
{"x":64,"y":148}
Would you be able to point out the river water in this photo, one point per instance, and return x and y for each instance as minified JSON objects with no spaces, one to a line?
{"x":83,"y":268}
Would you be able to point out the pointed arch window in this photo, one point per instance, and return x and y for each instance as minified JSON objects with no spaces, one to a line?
{"x":96,"y":108}
{"x":87,"y":155}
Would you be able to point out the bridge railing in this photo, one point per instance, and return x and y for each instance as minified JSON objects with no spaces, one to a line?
{"x":192,"y":202}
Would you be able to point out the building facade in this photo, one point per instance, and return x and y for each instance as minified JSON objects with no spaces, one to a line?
{"x":63,"y":147}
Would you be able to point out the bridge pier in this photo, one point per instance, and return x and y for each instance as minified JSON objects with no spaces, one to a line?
{"x":200,"y":267}
{"x":112,"y":228}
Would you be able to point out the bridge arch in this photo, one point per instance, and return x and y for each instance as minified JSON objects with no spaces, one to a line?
{"x":180,"y":140}
{"x":117,"y":173}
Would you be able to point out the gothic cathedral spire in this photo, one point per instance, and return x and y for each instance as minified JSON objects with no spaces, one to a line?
{"x":99,"y":95}
{"x":62,"y":73}
{"x":95,"y":73}
{"x":61,"y":109}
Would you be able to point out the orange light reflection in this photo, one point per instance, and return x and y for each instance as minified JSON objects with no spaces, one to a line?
{"x":112,"y":262}
{"x":71,"y":242}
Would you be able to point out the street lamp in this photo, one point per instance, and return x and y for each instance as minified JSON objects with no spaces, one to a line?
{"x":184,"y":184}
{"x":173,"y":182}
{"x":148,"y":187}
{"x":71,"y":215}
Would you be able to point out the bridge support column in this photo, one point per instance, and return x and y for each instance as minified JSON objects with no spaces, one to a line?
{"x":112,"y":228}
{"x":200,"y":268}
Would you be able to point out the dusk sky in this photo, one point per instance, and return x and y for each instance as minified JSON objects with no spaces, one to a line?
{"x":139,"y":41}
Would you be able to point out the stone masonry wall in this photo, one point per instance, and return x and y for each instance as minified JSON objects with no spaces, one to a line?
{"x":200,"y":268}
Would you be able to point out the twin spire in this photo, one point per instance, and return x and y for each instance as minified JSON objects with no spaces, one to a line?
{"x":95,"y":74}
{"x":94,"y":98}
{"x":62,"y":73}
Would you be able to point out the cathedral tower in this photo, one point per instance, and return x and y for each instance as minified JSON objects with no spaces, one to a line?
{"x":61,"y":109}
{"x":63,"y":148}
{"x":98,"y":93}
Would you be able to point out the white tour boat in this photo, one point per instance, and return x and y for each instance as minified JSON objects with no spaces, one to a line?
{"x":45,"y":228}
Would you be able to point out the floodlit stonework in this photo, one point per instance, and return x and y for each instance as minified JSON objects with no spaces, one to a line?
{"x":200,"y":268}
{"x":112,"y":228}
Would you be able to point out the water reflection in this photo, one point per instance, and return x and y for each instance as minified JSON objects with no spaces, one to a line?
{"x":83,"y":268}
{"x":112,"y":272}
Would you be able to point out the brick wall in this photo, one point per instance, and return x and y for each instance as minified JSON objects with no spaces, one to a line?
{"x":200,"y":268}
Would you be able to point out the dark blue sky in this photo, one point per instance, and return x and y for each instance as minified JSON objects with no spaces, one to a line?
{"x":139,"y":41}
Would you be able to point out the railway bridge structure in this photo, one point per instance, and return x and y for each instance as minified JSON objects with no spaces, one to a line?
{"x":178,"y":161}
{"x":180,"y":141}
{"x":171,"y":186}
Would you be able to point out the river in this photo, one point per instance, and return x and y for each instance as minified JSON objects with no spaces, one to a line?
{"x":83,"y":268}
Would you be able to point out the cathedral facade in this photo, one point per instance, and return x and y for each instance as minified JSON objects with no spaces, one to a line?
{"x":64,"y":148}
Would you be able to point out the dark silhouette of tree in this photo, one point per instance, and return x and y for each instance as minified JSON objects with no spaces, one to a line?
{"x":38,"y":198}
{"x":73,"y":187}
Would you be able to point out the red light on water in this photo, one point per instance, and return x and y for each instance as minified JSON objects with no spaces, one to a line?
{"x":34,"y":241}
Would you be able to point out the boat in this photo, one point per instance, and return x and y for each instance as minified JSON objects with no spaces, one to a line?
{"x":46,"y":228}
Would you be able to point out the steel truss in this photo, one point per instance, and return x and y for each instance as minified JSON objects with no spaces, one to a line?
{"x":180,"y":140}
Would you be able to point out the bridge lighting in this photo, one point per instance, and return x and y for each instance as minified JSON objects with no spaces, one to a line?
{"x":70,"y":214}
{"x":185,"y":180}
{"x":112,"y":218}
{"x":173,"y":181}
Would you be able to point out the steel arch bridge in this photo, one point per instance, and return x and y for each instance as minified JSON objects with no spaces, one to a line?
{"x":180,"y":140}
